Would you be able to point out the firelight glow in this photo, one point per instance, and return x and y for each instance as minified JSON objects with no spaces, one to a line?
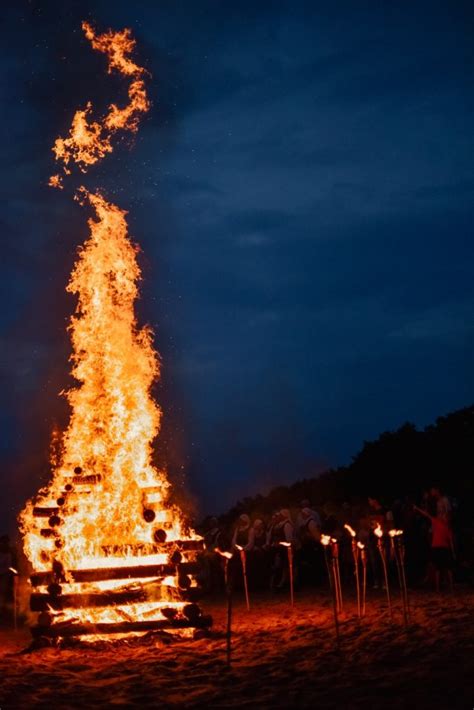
{"x":106,"y":506}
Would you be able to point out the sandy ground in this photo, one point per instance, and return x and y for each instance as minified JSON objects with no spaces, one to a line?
{"x":281,"y":658}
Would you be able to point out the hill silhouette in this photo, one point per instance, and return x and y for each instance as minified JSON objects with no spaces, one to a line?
{"x":398,"y":464}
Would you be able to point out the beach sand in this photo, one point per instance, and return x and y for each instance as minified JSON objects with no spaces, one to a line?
{"x":282,"y":658}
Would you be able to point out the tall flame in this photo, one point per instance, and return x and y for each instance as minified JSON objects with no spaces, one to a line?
{"x":114,"y":420}
{"x":106,"y":504}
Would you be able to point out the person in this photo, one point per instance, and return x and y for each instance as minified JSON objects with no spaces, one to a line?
{"x":285,"y":529}
{"x":309,"y":559}
{"x":272,"y":530}
{"x":310,"y":525}
{"x":442,"y":546}
{"x":257,"y":538}
{"x":442,"y":502}
{"x":213,"y":535}
{"x":257,"y":556}
{"x":241,"y":531}
{"x":302,"y":517}
{"x":211,"y":576}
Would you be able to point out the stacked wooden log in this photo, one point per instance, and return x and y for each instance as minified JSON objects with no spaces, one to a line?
{"x":125,"y":580}
{"x":142,"y":584}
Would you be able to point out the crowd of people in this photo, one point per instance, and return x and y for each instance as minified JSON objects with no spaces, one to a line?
{"x":429,"y":537}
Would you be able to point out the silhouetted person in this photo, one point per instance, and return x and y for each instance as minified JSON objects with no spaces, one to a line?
{"x":241,"y":531}
{"x":442,"y":546}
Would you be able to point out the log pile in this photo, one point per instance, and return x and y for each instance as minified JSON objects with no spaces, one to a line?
{"x":169,"y":588}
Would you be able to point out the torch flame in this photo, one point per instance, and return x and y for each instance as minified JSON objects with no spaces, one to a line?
{"x":350,"y":530}
{"x":225,"y":554}
{"x":378,"y":530}
{"x":395,"y":533}
{"x":325,"y":539}
{"x":361,"y":545}
{"x":285,"y":544}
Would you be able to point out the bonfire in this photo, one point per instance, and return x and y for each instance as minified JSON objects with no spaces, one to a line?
{"x":110,"y":554}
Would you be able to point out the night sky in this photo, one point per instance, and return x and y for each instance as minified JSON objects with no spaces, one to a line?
{"x":302,"y":193}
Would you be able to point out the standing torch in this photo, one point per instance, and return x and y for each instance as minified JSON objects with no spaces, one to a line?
{"x":227,"y":556}
{"x":398,"y":550}
{"x":363,"y":559}
{"x":243,"y":559}
{"x":325,"y":541}
{"x":379,"y":533}
{"x":15,"y":596}
{"x":355,"y":555}
{"x":289,"y":547}
{"x":336,"y":571}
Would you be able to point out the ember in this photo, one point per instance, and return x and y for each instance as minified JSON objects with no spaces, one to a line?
{"x":110,"y":554}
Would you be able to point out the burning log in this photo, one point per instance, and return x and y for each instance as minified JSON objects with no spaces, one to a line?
{"x":54,"y":521}
{"x":43,"y":602}
{"x":93,"y":478}
{"x":105,"y":573}
{"x":48,"y":532}
{"x":160,"y":535}
{"x":55,"y":589}
{"x":192,"y":612}
{"x":149,"y":548}
{"x":70,"y":628}
{"x":39,"y":512}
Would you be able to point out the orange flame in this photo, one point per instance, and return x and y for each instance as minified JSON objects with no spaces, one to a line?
{"x":114,"y":420}
{"x":89,"y":141}
{"x":108,"y":501}
{"x":350,"y":530}
{"x":395,"y":533}
{"x":378,"y":531}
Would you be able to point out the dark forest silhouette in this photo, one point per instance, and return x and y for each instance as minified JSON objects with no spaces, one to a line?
{"x":399,"y":464}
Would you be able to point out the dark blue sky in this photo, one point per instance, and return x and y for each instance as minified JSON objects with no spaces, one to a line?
{"x":302,"y":192}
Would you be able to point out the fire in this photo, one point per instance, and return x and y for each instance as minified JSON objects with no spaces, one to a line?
{"x":395,"y":533}
{"x":114,"y":420}
{"x":89,"y":141}
{"x":105,"y":544}
{"x":378,"y":531}
{"x":350,"y":530}
{"x":325,"y":539}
